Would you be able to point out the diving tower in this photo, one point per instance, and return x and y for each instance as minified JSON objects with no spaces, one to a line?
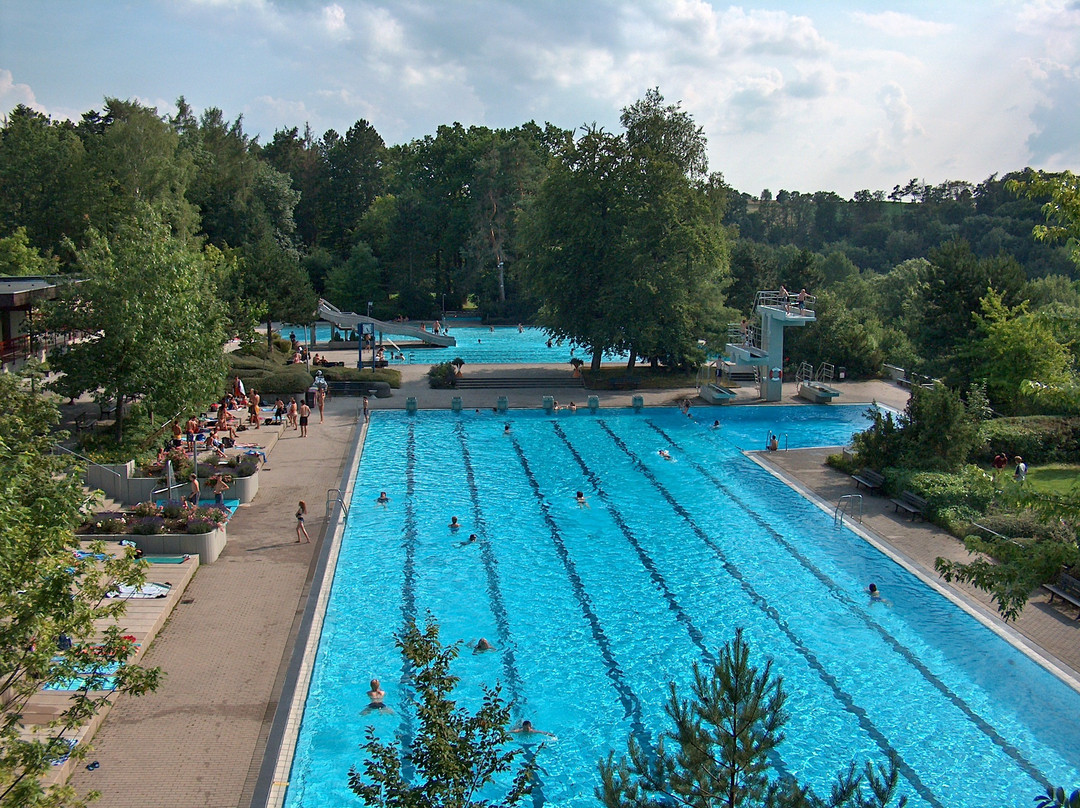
{"x":760,"y":345}
{"x":352,"y":320}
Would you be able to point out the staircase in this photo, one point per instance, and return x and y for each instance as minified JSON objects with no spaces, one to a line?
{"x":531,"y":379}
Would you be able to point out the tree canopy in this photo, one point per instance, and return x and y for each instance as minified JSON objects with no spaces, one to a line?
{"x":51,"y":599}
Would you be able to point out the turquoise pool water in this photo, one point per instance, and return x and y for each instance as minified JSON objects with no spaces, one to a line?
{"x":593,"y":611}
{"x":479,"y":345}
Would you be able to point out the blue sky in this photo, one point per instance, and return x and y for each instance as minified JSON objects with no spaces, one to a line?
{"x":805,"y":96}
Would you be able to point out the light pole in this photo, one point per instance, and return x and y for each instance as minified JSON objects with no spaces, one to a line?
{"x":444,"y":306}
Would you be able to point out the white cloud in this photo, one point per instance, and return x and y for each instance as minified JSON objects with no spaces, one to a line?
{"x":12,"y":94}
{"x":333,"y":20}
{"x":902,"y":25}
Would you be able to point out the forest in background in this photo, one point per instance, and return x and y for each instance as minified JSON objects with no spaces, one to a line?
{"x":439,"y":224}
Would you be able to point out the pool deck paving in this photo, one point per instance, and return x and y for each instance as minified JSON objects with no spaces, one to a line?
{"x":200,"y":738}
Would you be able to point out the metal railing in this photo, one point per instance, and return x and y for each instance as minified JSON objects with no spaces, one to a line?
{"x":846,"y":504}
{"x":335,"y":496}
{"x":87,"y":460}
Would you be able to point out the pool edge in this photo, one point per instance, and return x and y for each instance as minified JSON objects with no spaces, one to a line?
{"x":1026,"y":646}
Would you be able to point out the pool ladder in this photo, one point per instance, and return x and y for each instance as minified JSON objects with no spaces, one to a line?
{"x":847,"y":505}
{"x":335,"y":496}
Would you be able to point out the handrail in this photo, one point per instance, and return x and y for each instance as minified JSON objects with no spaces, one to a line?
{"x":335,"y":496}
{"x":88,"y":460}
{"x":849,"y":499}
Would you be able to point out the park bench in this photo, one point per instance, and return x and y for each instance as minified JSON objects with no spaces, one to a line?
{"x":912,"y":504}
{"x":1067,"y":588}
{"x":869,"y":479}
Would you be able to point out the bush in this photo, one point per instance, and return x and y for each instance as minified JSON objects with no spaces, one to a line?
{"x":243,"y":465}
{"x":108,"y":522}
{"x":146,"y":509}
{"x":442,"y":376}
{"x":289,"y":380}
{"x":148,"y":526}
{"x":173,"y":509}
{"x":340,"y":374}
{"x":1024,"y":525}
{"x":195,"y":526}
{"x":954,"y":498}
{"x":1038,"y":439}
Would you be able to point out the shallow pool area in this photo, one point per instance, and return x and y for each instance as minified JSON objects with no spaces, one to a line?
{"x":476,"y":344}
{"x":593,"y":610}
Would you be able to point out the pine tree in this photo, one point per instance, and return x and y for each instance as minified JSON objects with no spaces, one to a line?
{"x":725,"y":740}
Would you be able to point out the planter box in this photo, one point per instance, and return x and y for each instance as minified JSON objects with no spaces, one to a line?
{"x":244,"y":488}
{"x":207,"y":546}
{"x":127,"y":489}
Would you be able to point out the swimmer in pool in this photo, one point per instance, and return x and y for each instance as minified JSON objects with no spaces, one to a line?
{"x":581,"y":503}
{"x":482,"y":646}
{"x":468,"y":541}
{"x":873,"y":592}
{"x":383,"y":499}
{"x":715,"y":424}
{"x":526,"y":728}
{"x":454,"y":525}
{"x":664,"y":453}
{"x":377,"y":697}
{"x":506,"y":429}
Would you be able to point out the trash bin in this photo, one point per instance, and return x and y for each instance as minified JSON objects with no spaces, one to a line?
{"x":309,"y":396}
{"x":842,"y":372}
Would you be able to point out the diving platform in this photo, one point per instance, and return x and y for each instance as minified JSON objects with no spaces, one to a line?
{"x":760,"y":344}
{"x":352,"y":320}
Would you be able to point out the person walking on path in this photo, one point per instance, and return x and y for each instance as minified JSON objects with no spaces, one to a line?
{"x":367,"y":412}
{"x":291,"y":414}
{"x":320,"y":400}
{"x":301,"y":512}
{"x":305,"y":413}
{"x":193,"y":497}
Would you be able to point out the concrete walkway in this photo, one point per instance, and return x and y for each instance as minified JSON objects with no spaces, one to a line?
{"x":198,"y":740}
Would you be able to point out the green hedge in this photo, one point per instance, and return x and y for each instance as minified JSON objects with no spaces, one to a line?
{"x":342,"y":374}
{"x":953,"y":498}
{"x":1036,"y":438}
{"x":290,"y":380}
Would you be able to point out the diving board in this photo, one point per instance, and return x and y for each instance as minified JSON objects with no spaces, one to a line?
{"x":352,"y":320}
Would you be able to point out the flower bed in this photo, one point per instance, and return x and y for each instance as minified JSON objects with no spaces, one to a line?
{"x":172,"y":528}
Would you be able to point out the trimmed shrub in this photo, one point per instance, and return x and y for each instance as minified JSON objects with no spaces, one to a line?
{"x":109,"y":522}
{"x":1036,"y":438}
{"x":146,"y":509}
{"x":173,"y":509}
{"x":243,"y":465}
{"x":195,"y":526}
{"x":442,"y":376}
{"x":290,"y":380}
{"x":1024,"y":525}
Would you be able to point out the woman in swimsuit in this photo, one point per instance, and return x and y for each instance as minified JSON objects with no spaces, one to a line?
{"x":301,"y":511}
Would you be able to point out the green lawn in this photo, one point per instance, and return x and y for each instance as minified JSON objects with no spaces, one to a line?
{"x":1054,"y":478}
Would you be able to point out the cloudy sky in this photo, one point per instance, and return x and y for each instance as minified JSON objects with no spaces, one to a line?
{"x":838,"y":95}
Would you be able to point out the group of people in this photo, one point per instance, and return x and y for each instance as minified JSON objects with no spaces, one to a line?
{"x":800,"y":299}
{"x":1001,"y":460}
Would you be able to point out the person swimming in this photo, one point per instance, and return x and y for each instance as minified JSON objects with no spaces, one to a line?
{"x":482,"y":645}
{"x":874,"y":592}
{"x":527,"y":728}
{"x":454,"y":525}
{"x":377,"y":698}
{"x":581,"y":502}
{"x":468,"y":541}
{"x":382,"y":499}
{"x":664,"y":453}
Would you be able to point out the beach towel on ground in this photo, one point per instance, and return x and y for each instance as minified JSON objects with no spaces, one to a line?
{"x":147,"y":590}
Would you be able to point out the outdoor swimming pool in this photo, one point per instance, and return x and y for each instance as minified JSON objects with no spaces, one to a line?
{"x":479,"y":345}
{"x":593,"y":611}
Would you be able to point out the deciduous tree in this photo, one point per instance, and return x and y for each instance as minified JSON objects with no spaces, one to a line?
{"x":51,"y":596}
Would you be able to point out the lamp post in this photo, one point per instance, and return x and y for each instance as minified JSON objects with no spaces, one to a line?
{"x":444,"y":306}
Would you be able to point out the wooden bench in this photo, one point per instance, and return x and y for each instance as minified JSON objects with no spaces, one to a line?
{"x":1067,"y":588}
{"x":869,"y":479}
{"x":912,"y":504}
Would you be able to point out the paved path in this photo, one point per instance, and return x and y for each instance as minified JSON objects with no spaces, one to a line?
{"x":198,"y":740}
